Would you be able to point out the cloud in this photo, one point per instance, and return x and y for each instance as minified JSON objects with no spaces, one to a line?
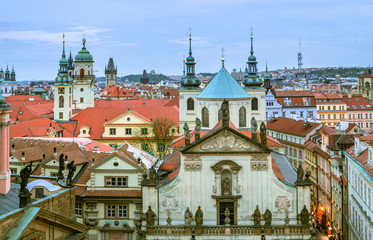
{"x":199,"y":42}
{"x":55,"y":37}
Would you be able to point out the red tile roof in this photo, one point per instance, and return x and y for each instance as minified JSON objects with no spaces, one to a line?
{"x":95,"y":117}
{"x":362,"y":159}
{"x":291,"y":126}
{"x":34,"y":128}
{"x":357,"y":103}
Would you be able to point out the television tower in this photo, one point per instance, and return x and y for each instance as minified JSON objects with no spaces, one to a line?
{"x":300,"y":63}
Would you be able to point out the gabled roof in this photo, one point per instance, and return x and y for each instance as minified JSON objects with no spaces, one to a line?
{"x":212,"y":134}
{"x":223,"y":86}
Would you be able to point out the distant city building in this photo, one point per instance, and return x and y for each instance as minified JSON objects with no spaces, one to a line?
{"x":111,"y":73}
{"x":8,"y":84}
{"x":365,"y":84}
{"x":144,"y":79}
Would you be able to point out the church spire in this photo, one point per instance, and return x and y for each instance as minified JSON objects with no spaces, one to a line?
{"x":251,"y":79}
{"x":62,"y":72}
{"x":190,"y":80}
{"x":267,"y":79}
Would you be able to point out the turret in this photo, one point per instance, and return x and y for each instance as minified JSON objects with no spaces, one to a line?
{"x":190,"y":81}
{"x":7,"y":74}
{"x":251,"y":79}
{"x":70,"y":66}
{"x":13,"y":75}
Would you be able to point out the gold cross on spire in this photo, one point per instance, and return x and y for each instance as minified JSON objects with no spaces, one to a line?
{"x":251,"y":33}
{"x":190,"y":33}
{"x":222,"y":56}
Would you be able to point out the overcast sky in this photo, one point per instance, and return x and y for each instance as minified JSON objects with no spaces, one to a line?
{"x":152,"y":34}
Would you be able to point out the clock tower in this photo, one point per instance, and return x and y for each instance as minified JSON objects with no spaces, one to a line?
{"x":63,"y":91}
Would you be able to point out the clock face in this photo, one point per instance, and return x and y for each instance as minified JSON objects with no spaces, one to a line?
{"x":61,"y":90}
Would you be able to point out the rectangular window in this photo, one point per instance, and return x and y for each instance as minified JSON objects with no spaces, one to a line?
{"x":110,"y":181}
{"x":286,"y":151}
{"x":160,"y":147}
{"x":116,"y":211}
{"x":122,"y":181}
{"x":78,"y":209}
{"x":334,"y":108}
{"x":61,"y":115}
{"x":335,"y":116}
{"x":113,"y":131}
{"x":128,"y":131}
{"x":300,"y":154}
{"x":116,"y":181}
{"x":110,"y":211}
{"x":145,"y":147}
{"x":81,"y":100}
{"x":291,"y":152}
{"x":122,"y":211}
{"x":144,"y":131}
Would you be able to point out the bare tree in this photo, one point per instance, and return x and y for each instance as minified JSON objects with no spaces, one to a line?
{"x":161,"y":132}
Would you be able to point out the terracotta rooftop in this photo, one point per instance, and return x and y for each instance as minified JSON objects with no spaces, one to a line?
{"x":291,"y":126}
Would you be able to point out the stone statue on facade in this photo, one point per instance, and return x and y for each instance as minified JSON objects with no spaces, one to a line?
{"x":254,"y":124}
{"x":198,"y":129}
{"x":267,"y":217}
{"x":257,"y":216}
{"x":186,"y":134}
{"x":300,"y":173}
{"x":188,"y":217}
{"x":226,"y":186}
{"x":71,"y":168}
{"x":25,"y":174}
{"x":152,"y":174}
{"x":227,"y":220}
{"x":61,"y":166}
{"x":225,"y":113}
{"x":199,"y":216}
{"x":304,"y":216}
{"x":150,"y":217}
{"x":254,"y":128}
{"x":263,"y":134}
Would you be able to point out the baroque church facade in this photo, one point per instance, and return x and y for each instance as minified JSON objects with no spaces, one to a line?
{"x":74,"y":84}
{"x":225,"y":185}
{"x":244,"y":102}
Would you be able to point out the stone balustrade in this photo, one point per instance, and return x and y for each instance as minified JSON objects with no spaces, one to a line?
{"x":228,"y":230}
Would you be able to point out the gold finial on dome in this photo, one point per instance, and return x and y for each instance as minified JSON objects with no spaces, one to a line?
{"x":63,"y":37}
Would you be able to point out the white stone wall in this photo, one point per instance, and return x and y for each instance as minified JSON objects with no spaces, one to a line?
{"x":360,"y":191}
{"x":67,"y":107}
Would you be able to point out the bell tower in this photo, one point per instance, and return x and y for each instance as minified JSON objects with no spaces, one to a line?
{"x":63,"y":90}
{"x":188,"y":92}
{"x":84,"y":79}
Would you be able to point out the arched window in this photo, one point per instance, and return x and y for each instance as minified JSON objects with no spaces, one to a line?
{"x":242,"y":117}
{"x":82,"y":72}
{"x":61,"y":102}
{"x":205,"y":117}
{"x":254,"y":104}
{"x":220,"y":115}
{"x":190,"y":104}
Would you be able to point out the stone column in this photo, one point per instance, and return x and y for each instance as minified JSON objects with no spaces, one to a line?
{"x":5,"y":111}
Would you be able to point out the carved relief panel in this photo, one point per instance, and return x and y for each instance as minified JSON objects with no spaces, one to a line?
{"x":259,"y":162}
{"x":192,"y":163}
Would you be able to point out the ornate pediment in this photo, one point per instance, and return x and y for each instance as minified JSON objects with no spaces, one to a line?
{"x":226,"y":141}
